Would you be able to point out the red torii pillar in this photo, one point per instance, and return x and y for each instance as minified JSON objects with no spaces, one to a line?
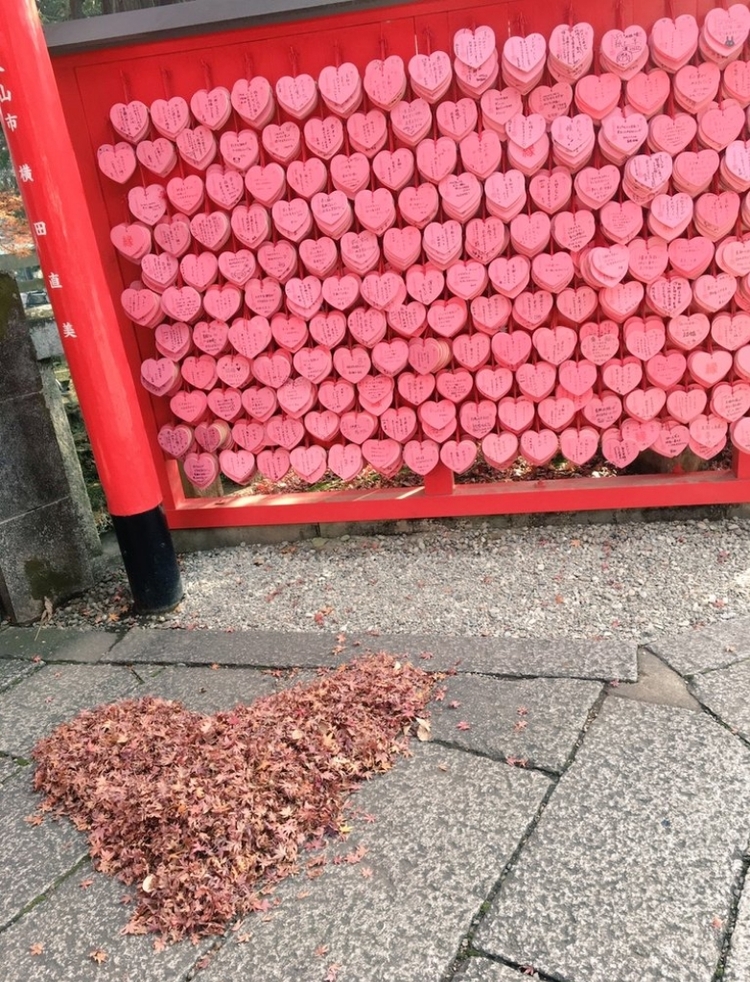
{"x":52,"y":190}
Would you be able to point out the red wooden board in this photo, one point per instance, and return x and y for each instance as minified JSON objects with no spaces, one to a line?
{"x":90,"y":84}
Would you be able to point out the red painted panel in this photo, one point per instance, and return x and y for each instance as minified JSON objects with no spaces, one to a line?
{"x":90,"y":84}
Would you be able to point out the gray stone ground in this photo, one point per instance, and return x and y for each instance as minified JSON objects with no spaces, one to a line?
{"x":580,"y":814}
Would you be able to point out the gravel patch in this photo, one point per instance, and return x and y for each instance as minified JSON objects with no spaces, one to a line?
{"x":630,"y":581}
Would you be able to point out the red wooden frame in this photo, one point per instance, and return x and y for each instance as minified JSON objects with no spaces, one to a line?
{"x":90,"y":83}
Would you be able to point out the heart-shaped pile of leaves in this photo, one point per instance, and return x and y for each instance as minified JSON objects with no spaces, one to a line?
{"x":203,"y":811}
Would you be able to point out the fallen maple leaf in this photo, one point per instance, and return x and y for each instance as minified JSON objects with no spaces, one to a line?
{"x":85,"y":884}
{"x":333,"y":973}
{"x":35,"y":819}
{"x":520,"y":725}
{"x":463,"y":725}
{"x":356,"y":855}
{"x":243,"y":938}
{"x":454,"y":705}
{"x":522,"y":711}
{"x":215,"y":667}
{"x":321,"y":950}
{"x":98,"y":955}
{"x":366,"y":872}
{"x":37,"y":948}
{"x":320,"y":615}
{"x":218,"y":806}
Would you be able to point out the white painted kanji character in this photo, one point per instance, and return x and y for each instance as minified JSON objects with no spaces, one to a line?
{"x":68,"y":330}
{"x":11,"y":121}
{"x":5,"y":94}
{"x":40,"y":228}
{"x":24,"y":173}
{"x":54,"y":281}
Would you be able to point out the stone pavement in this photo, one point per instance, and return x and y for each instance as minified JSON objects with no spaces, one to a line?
{"x":590,"y":824}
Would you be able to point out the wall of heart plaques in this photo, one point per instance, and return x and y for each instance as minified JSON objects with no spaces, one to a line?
{"x":533,"y":247}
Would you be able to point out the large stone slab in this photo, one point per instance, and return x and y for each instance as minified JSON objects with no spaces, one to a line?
{"x":657,"y":683}
{"x":726,"y":692}
{"x":483,"y":970}
{"x":57,"y":644}
{"x":8,"y":767}
{"x":737,"y":968}
{"x":537,"y":720}
{"x":706,"y":648}
{"x":12,"y":672}
{"x":30,"y":472}
{"x":272,"y":649}
{"x":75,"y":921}
{"x":32,"y":857}
{"x":519,"y":657}
{"x":204,"y":690}
{"x":280,"y":649}
{"x":19,"y":373}
{"x":42,"y":557}
{"x":636,"y":854}
{"x":440,"y":840}
{"x":52,"y":696}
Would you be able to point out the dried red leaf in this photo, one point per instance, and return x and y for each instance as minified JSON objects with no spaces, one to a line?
{"x":197,"y":812}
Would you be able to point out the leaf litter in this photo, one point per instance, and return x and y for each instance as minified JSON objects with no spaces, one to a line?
{"x":204,"y":814}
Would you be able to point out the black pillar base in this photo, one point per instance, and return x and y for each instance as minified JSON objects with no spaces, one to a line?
{"x":150,"y":561}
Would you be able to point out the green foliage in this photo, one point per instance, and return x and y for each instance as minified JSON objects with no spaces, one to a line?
{"x":57,"y":10}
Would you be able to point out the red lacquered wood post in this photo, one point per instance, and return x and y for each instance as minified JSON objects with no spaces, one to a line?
{"x":741,"y":464}
{"x":52,"y":190}
{"x":439,"y":480}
